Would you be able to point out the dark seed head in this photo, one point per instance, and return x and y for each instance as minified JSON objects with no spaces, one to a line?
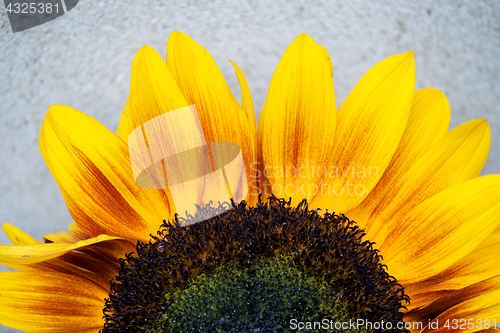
{"x":329,"y":249}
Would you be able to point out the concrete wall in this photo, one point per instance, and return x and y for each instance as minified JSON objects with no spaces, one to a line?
{"x":83,"y":60}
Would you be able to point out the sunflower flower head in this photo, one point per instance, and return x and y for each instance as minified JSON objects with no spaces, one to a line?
{"x":372,"y":213}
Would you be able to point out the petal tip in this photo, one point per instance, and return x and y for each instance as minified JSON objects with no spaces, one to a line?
{"x":145,"y":54}
{"x":481,"y":123}
{"x":304,"y":40}
{"x":409,"y":56}
{"x":177,"y":35}
{"x":404,"y":59}
{"x":58,"y":111}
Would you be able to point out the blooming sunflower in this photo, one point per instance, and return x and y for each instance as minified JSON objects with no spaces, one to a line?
{"x":421,"y":255}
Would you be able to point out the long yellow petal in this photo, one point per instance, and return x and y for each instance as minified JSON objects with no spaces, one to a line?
{"x":19,"y":237}
{"x":370,"y":124}
{"x":297,"y":123}
{"x":94,"y":259}
{"x":428,"y":123}
{"x":458,"y":157}
{"x":32,"y":254}
{"x":222,"y":118}
{"x":441,"y":230}
{"x":92,"y":168}
{"x":50,"y":302}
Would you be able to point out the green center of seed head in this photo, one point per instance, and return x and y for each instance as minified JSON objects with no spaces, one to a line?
{"x":271,"y":295}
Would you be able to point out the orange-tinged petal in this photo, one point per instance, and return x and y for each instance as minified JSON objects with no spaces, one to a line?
{"x":222,"y":118}
{"x":483,"y":310}
{"x":481,"y":264}
{"x":483,"y":260}
{"x":458,"y":157}
{"x":61,"y":237}
{"x":297,"y":123}
{"x":445,"y":289}
{"x":75,"y":229}
{"x":49,"y":302}
{"x":478,"y":301}
{"x":428,"y":123}
{"x":370,"y":124}
{"x":92,"y":168}
{"x":444,"y":228}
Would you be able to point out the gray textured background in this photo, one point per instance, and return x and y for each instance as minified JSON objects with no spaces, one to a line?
{"x":83,"y":60}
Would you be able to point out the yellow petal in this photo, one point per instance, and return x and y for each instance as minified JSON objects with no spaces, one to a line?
{"x":32,"y":254}
{"x":441,"y":230}
{"x":246,"y":98}
{"x":247,"y":104}
{"x":75,"y":229}
{"x":297,"y":123}
{"x":96,"y":259}
{"x":60,"y":237}
{"x":428,"y":123}
{"x":223,"y":119}
{"x":74,"y":235}
{"x":370,"y":124}
{"x":49,"y":302}
{"x":328,"y":58}
{"x":153,"y":91}
{"x":92,"y":168}
{"x":482,"y":261}
{"x":125,"y":126}
{"x":17,"y":236}
{"x":458,"y":157}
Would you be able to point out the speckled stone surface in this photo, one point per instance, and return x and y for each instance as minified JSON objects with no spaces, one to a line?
{"x":83,"y":60}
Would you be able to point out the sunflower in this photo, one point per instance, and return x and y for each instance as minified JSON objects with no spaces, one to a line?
{"x":371,"y":214}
